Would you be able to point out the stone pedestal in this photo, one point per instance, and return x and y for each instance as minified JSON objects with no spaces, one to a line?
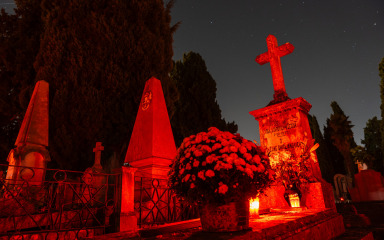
{"x":318,"y":195}
{"x":128,"y":219}
{"x":284,"y":127}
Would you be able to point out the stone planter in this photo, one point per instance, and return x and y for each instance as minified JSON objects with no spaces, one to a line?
{"x":233,"y":216}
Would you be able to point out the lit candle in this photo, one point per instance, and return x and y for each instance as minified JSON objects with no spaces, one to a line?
{"x":254,"y":207}
{"x":294,"y":200}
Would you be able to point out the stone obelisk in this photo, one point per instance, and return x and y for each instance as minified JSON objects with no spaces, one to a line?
{"x":28,"y":160}
{"x":152,"y":147}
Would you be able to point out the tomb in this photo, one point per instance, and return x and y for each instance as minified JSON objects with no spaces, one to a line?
{"x":284,"y":126}
{"x":152,"y":146}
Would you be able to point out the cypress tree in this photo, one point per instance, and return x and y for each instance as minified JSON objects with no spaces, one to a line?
{"x":96,"y":55}
{"x":372,"y":141}
{"x":322,"y":152}
{"x":197,"y":108}
{"x":340,"y":132}
{"x":381,"y":74}
{"x":19,"y":44}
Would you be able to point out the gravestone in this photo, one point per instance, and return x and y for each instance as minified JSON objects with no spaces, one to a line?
{"x":152,"y":147}
{"x":369,"y":186}
{"x":28,"y":160}
{"x":94,"y":179}
{"x":284,"y":126}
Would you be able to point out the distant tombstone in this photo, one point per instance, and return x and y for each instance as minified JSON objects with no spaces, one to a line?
{"x":28,"y":160}
{"x":369,"y":186}
{"x":342,"y":184}
{"x":284,"y":126}
{"x":94,"y":178}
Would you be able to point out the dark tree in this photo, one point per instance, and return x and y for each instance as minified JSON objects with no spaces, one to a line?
{"x":372,"y":141}
{"x":335,"y":156}
{"x":96,"y":55}
{"x":340,"y":133}
{"x":197,"y":108}
{"x":381,"y":74}
{"x":322,"y":152}
{"x":19,"y":44}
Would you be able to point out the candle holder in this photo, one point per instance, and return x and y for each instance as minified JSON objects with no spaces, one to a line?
{"x":254,"y":207}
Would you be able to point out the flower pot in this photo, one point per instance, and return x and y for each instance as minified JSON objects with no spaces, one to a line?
{"x":233,"y":216}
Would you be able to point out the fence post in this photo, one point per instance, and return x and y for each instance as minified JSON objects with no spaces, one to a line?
{"x":128,"y":219}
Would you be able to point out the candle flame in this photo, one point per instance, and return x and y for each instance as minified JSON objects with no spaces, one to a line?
{"x":254,"y":207}
{"x":294,"y":200}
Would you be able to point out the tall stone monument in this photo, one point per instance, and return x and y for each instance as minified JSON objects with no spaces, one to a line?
{"x":152,"y":147}
{"x":28,"y":160}
{"x":283,"y":125}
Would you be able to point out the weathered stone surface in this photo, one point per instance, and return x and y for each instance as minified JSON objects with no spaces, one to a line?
{"x":28,"y":160}
{"x":273,"y":57}
{"x":273,"y":197}
{"x":318,"y":195}
{"x":34,"y":128}
{"x":152,"y":147}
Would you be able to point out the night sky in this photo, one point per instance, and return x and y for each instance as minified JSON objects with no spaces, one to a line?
{"x":338,"y":46}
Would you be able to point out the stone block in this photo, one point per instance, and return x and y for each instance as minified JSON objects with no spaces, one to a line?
{"x":128,"y":222}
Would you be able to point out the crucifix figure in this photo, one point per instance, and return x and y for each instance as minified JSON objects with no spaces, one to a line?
{"x":273,"y":57}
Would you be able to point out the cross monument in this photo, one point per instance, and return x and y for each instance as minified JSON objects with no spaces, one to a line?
{"x":97,"y":150}
{"x":273,"y":57}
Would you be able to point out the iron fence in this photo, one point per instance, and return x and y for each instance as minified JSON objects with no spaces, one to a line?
{"x":156,"y":203}
{"x":65,"y":204}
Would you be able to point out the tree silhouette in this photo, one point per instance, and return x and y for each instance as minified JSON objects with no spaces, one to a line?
{"x":372,"y":141}
{"x":197,"y":108}
{"x":96,"y":56}
{"x":340,"y":130}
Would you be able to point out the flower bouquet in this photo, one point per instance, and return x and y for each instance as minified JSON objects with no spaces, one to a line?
{"x":219,"y":167}
{"x":294,"y":168}
{"x":220,"y":172}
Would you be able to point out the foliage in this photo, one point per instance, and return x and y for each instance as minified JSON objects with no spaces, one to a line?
{"x":381,"y":74}
{"x":19,"y":44}
{"x":197,"y":108}
{"x":323,"y":155}
{"x":340,"y":130}
{"x":96,"y":56}
{"x":294,"y":168}
{"x":361,"y":155}
{"x":336,"y":158}
{"x":372,"y":141}
{"x":218,"y":167}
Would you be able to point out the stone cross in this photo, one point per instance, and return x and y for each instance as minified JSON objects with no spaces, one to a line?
{"x":97,"y":150}
{"x":273,"y":57}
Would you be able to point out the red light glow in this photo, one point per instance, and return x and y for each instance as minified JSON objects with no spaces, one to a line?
{"x":294,"y":200}
{"x":254,"y":207}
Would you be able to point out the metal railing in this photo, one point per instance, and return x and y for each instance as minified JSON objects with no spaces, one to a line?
{"x":156,"y":203}
{"x":81,"y":203}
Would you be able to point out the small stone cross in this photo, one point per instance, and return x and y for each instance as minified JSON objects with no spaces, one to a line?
{"x":97,"y":150}
{"x":273,"y":57}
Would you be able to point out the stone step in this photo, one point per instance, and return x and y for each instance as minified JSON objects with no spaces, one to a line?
{"x":310,"y":224}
